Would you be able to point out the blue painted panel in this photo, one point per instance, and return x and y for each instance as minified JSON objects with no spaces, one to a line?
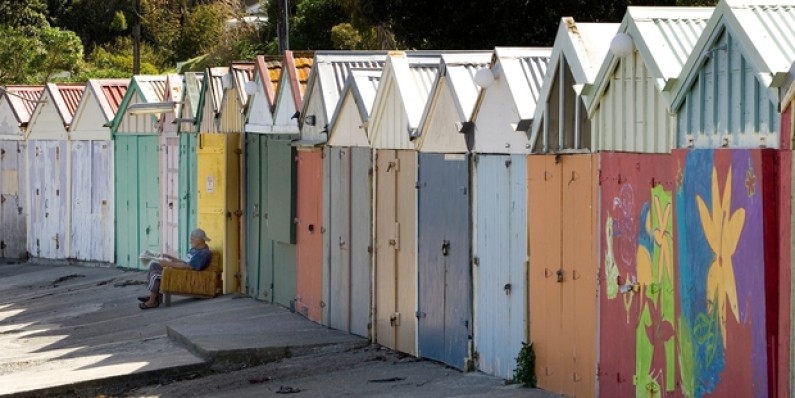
{"x":727,"y":105}
{"x":445,"y":284}
{"x":500,"y":250}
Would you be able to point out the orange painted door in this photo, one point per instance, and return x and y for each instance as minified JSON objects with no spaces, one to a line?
{"x":563,"y":270}
{"x":309,"y":234}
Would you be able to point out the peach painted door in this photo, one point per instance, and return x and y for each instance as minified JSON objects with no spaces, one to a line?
{"x":309,"y":234}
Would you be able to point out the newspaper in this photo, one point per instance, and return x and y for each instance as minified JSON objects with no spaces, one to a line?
{"x":148,"y":256}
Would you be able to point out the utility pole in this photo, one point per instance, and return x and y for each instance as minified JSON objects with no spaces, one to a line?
{"x":137,"y":37}
{"x":284,"y":26}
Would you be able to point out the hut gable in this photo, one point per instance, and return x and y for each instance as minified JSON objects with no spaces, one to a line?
{"x":296,"y":68}
{"x":406,"y":82}
{"x":452,"y":99}
{"x":97,"y":108}
{"x":662,"y":39}
{"x":326,"y":81}
{"x":143,"y":89}
{"x":267,"y":73}
{"x":728,"y":94}
{"x":576,"y":57}
{"x":52,"y":117}
{"x":504,"y":108}
{"x":349,"y":125}
{"x":17,"y":104}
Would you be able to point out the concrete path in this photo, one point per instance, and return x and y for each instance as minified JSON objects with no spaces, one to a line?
{"x":66,"y":328}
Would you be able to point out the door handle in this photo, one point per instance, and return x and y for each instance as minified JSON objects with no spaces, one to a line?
{"x":445,"y":247}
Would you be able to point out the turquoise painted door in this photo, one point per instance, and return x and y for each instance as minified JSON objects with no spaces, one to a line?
{"x":126,"y":201}
{"x":187,"y":189}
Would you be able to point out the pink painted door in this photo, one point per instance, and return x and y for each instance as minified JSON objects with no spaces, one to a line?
{"x":309,"y":234}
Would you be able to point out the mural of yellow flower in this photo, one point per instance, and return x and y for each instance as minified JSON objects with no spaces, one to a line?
{"x":722,"y":231}
{"x":661,"y":237}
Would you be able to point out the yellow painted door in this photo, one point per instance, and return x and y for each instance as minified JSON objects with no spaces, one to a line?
{"x":218,"y":200}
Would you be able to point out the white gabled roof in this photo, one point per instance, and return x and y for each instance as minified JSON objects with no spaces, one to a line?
{"x":663,"y":36}
{"x":583,"y":46}
{"x":362,"y":86}
{"x":456,"y":73}
{"x":765,"y":29}
{"x":331,"y":69}
{"x":523,"y":69}
{"x":413,"y":75}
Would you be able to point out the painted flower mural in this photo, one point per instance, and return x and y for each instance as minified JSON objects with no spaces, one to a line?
{"x":722,"y":228}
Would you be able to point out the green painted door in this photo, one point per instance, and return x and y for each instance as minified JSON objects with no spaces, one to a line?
{"x":258,"y":280}
{"x":148,"y":193}
{"x":279,"y":217}
{"x":187,"y":189}
{"x":126,"y":201}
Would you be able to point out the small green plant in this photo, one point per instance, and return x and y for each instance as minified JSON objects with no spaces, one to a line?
{"x":525,"y":371}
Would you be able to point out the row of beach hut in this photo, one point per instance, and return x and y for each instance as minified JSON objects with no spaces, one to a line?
{"x":622,"y":200}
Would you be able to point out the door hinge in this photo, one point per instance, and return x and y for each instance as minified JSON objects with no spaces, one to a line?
{"x":394,"y":319}
{"x":420,"y":314}
{"x":476,"y":260}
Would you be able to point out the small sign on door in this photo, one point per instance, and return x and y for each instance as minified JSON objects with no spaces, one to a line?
{"x":210,"y":184}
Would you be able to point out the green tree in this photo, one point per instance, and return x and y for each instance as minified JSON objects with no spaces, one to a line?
{"x":23,"y":13}
{"x":35,"y":58}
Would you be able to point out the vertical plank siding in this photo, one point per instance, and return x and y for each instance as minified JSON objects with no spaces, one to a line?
{"x":13,"y":200}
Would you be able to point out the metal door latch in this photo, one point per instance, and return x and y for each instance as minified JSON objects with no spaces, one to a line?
{"x":559,"y":274}
{"x":445,"y":247}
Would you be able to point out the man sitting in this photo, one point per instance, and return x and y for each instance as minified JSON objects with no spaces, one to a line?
{"x":198,"y":258}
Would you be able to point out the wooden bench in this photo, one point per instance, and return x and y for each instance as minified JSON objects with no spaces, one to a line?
{"x":188,"y":282}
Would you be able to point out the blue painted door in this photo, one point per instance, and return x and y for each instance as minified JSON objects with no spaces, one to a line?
{"x":443,"y":262}
{"x":500,"y":263}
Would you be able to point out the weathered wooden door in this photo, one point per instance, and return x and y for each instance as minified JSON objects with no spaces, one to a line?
{"x":396,"y":273}
{"x":563,"y":272}
{"x":350,"y":231}
{"x":49,"y":226}
{"x":443,"y":257}
{"x":92,"y":201}
{"x":309,"y":233}
{"x":13,"y":229}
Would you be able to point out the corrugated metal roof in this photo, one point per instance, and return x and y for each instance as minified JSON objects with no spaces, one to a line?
{"x":66,"y":98}
{"x":770,"y":27}
{"x":216,"y":86}
{"x":23,"y":100}
{"x":460,"y":71}
{"x":663,"y":36}
{"x":113,"y":92}
{"x":363,"y":85}
{"x":523,"y":70}
{"x":243,"y":72}
{"x":71,"y":94}
{"x":193,"y":84}
{"x":151,"y":87}
{"x":331,"y":69}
